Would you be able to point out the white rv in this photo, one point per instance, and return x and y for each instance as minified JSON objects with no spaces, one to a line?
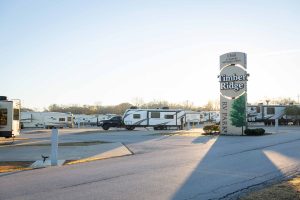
{"x":90,"y":120}
{"x":46,"y":120}
{"x":9,"y":117}
{"x":268,"y":114}
{"x":192,"y":118}
{"x":210,"y":116}
{"x":156,"y":118}
{"x":265,"y":112}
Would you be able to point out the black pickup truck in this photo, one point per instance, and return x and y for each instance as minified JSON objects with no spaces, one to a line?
{"x":115,"y":121}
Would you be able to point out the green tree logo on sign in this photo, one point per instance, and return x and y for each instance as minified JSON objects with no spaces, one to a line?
{"x":238,"y":112}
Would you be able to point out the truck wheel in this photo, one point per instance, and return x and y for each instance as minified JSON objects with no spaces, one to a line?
{"x":105,"y":127}
{"x":130,"y":128}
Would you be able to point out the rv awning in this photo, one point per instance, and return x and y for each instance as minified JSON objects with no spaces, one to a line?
{"x":278,"y":116}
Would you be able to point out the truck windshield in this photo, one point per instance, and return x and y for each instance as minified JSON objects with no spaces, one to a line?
{"x":115,"y":118}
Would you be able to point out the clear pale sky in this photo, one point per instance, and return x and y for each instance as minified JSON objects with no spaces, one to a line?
{"x":86,"y":52}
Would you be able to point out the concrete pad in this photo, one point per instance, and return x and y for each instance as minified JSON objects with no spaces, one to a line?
{"x":47,"y":163}
{"x":33,"y":153}
{"x":118,"y":150}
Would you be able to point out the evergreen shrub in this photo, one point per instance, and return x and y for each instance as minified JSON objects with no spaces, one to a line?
{"x":255,"y":132}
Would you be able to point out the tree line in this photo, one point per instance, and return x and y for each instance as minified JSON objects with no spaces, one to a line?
{"x":138,"y":102}
{"x":121,"y":108}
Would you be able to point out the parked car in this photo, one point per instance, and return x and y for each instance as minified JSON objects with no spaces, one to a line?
{"x":115,"y":121}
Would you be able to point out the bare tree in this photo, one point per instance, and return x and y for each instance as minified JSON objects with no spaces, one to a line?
{"x":138,"y":102}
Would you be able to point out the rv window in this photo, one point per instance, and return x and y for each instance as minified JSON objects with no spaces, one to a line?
{"x":155,"y":114}
{"x":69,"y":119}
{"x":169,"y":116}
{"x":271,"y":111}
{"x":136,"y":116}
{"x":3,"y":116}
{"x":61,"y":119}
{"x":16,"y":114}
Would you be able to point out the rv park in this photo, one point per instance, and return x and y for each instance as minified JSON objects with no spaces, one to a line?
{"x":235,"y":152}
{"x":149,"y":100}
{"x":149,"y":162}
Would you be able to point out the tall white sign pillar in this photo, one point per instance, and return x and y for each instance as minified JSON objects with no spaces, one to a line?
{"x":233,"y":93}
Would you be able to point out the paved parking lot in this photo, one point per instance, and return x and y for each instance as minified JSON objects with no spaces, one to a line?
{"x":163,"y":167}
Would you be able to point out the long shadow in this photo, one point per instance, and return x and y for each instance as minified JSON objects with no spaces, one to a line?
{"x":32,"y":150}
{"x":235,"y":164}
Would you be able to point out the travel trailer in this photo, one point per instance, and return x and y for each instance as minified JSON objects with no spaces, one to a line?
{"x":210,"y":116}
{"x":193,"y":118}
{"x":85,"y":120}
{"x":90,"y":120}
{"x":46,"y":120}
{"x":156,"y":118}
{"x":9,"y":117}
{"x":269,"y":113}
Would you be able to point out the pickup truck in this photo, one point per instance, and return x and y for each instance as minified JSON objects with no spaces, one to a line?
{"x":115,"y":121}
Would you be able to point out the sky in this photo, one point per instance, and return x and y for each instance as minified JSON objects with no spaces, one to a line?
{"x":113,"y":51}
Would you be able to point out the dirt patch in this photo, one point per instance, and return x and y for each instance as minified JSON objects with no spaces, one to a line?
{"x":11,"y":166}
{"x":287,"y":190}
{"x":180,"y":133}
{"x":177,"y":134}
{"x":37,"y":132}
{"x":9,"y":141}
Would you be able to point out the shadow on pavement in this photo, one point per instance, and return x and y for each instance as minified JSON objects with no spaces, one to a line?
{"x":223,"y":173}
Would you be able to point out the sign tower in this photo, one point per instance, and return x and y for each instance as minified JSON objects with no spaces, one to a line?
{"x":233,"y":93}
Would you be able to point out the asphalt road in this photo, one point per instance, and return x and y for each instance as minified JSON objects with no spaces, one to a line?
{"x":164,"y":167}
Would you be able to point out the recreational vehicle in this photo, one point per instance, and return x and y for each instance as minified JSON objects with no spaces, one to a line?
{"x":90,"y":120}
{"x":46,"y":120}
{"x":9,"y":117}
{"x":157,"y":118}
{"x":268,"y":114}
{"x":192,"y":118}
{"x":210,"y":116}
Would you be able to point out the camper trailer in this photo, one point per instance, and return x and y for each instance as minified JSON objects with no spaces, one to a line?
{"x":90,"y":120}
{"x":9,"y":117}
{"x":193,"y":118}
{"x":46,"y":120}
{"x":268,"y":114}
{"x":210,"y":116}
{"x":156,"y":118}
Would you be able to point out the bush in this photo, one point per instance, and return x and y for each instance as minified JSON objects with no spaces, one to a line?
{"x":209,"y":129}
{"x":255,"y":132}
